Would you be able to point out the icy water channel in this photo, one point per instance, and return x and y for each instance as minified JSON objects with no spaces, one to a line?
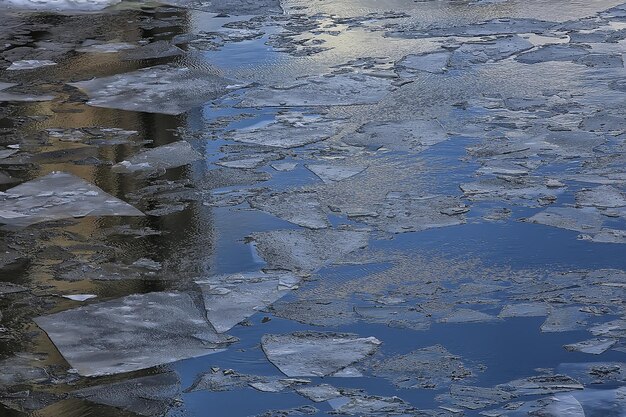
{"x":330,"y":207}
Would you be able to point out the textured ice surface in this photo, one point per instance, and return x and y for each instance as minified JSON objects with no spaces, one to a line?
{"x":58,"y":195}
{"x":131,"y":333}
{"x":30,"y":64}
{"x":160,"y":89}
{"x":331,"y":173}
{"x":315,"y":353}
{"x":162,"y":157}
{"x":19,"y":97}
{"x":302,"y":209}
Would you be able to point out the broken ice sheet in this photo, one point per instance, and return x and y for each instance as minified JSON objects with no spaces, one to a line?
{"x":306,"y":250}
{"x":118,"y":336}
{"x":525,"y":310}
{"x":604,"y":196}
{"x":475,"y":398}
{"x":594,"y":373}
{"x":230,"y":299}
{"x":587,"y":403}
{"x":488,"y":50}
{"x":592,"y":346}
{"x":429,"y":367}
{"x":315,"y":353}
{"x":301,"y":208}
{"x":287,"y":130}
{"x":358,"y":404}
{"x":29,"y":64}
{"x":149,"y":396}
{"x":160,"y":89}
{"x":162,"y":157}
{"x":586,"y":219}
{"x":395,"y":316}
{"x":335,"y":90}
{"x":58,"y":195}
{"x":465,"y":315}
{"x":21,"y":369}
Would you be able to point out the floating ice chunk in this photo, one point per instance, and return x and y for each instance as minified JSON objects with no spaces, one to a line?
{"x":30,"y":64}
{"x":593,"y":346}
{"x":586,"y":219}
{"x":319,"y":393}
{"x":216,"y":380}
{"x":232,"y":7}
{"x":290,"y":130}
{"x":154,"y":50}
{"x":59,"y":195}
{"x":395,"y":316}
{"x":162,"y":157}
{"x":564,"y":319}
{"x":429,"y":367}
{"x":566,"y":52}
{"x":433,"y":62}
{"x":284,"y":166}
{"x":229,"y":300}
{"x":149,"y":396}
{"x":337,"y":90}
{"x":307,"y":250}
{"x":131,"y":333}
{"x":59,"y":4}
{"x":302,"y":209}
{"x":484,"y":51}
{"x":80,"y":297}
{"x":524,"y":310}
{"x":409,"y":135}
{"x":542,"y":385}
{"x":19,"y":370}
{"x":160,"y":89}
{"x":27,"y":98}
{"x":357,"y":404}
{"x":604,"y":196}
{"x":333,"y":173}
{"x":104,"y":48}
{"x":465,"y":315}
{"x":315,"y":353}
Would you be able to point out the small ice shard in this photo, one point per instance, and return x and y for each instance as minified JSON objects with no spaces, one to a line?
{"x":229,"y":300}
{"x":299,"y":208}
{"x":433,"y":62}
{"x":161,"y":89}
{"x":19,"y":97}
{"x":307,"y":250}
{"x":319,"y":393}
{"x":315,"y":353}
{"x":119,"y":336}
{"x":58,"y":195}
{"x":162,"y":157}
{"x":336,"y":90}
{"x":30,"y":64}
{"x":541,"y":385}
{"x":333,"y":173}
{"x":148,"y":396}
{"x":592,"y":346}
{"x":80,"y":297}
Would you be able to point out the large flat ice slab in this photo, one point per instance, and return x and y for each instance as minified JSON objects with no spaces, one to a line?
{"x":131,"y":333}
{"x":56,"y":196}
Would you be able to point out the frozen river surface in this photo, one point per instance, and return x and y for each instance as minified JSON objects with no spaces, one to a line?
{"x":312,"y":208}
